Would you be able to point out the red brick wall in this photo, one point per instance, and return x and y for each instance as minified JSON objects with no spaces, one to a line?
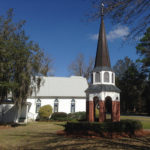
{"x":91,"y":111}
{"x":118,"y":111}
{"x":115,"y":111}
{"x":87,"y":110}
{"x":102,"y":116}
{"x":102,"y":111}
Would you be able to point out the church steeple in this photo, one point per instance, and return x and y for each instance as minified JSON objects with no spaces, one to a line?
{"x":102,"y":88}
{"x":102,"y":54}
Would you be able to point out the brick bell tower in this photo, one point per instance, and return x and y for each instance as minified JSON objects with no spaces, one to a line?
{"x":102,"y":91}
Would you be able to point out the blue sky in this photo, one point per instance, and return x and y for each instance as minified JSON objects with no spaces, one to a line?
{"x":58,"y":27}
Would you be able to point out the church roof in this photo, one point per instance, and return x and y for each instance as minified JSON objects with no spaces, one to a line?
{"x":73,"y":86}
{"x":102,"y":88}
{"x":102,"y":54}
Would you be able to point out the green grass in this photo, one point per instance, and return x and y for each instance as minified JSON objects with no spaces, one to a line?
{"x":144,"y":120}
{"x":42,"y":135}
{"x":24,"y":136}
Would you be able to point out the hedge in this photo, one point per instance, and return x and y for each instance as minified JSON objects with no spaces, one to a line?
{"x":59,"y":116}
{"x":127,"y":126}
{"x":77,"y":116}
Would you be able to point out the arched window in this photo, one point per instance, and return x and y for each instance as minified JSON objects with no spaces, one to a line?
{"x":56,"y":105}
{"x":106,"y":77}
{"x":73,"y":106}
{"x":112,"y":78}
{"x":38,"y":105}
{"x":92,"y":78}
{"x":97,"y":77}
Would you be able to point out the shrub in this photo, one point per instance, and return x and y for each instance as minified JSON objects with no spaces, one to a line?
{"x":77,"y":116}
{"x":59,"y":116}
{"x":45,"y":112}
{"x":127,"y":126}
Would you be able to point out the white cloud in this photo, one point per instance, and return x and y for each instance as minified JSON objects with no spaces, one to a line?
{"x":118,"y":32}
{"x":93,"y":36}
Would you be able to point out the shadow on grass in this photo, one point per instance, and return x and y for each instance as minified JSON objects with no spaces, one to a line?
{"x":53,"y":142}
{"x":12,"y":124}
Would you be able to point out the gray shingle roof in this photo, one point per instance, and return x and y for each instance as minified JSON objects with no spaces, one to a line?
{"x":73,"y":86}
{"x":102,"y":88}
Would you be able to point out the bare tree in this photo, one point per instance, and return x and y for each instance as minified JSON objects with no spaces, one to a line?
{"x":79,"y":68}
{"x":134,"y":13}
{"x":47,"y":66}
{"x":89,"y":68}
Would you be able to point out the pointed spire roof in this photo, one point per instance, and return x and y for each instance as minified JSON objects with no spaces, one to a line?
{"x":102,"y":54}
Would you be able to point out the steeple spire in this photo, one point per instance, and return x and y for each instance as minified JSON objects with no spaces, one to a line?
{"x":102,"y":54}
{"x":102,"y":9}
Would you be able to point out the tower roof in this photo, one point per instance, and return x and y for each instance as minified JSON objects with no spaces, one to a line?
{"x":102,"y":54}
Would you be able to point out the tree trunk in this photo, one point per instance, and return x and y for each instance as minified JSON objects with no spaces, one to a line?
{"x":19,"y":106}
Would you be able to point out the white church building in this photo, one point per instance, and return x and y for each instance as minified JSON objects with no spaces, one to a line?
{"x":64,"y":94}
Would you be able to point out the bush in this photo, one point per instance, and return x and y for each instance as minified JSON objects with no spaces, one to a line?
{"x":59,"y":116}
{"x":127,"y":126}
{"x":45,"y":112}
{"x":77,"y":116}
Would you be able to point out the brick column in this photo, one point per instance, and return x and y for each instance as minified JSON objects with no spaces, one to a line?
{"x":87,"y":110}
{"x":115,"y":111}
{"x":118,"y":111}
{"x":91,"y":111}
{"x":101,"y":111}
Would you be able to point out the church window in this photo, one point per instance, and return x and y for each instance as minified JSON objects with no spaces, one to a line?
{"x":106,"y":77}
{"x":38,"y":105}
{"x":92,"y":78}
{"x":97,"y":77}
{"x":73,"y":106}
{"x":56,"y":105}
{"x":112,"y":78}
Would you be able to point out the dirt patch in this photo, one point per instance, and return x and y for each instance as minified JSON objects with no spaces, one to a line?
{"x":91,"y":134}
{"x":142,"y":133}
{"x":5,"y":127}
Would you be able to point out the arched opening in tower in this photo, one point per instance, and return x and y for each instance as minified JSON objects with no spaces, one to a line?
{"x":96,"y":109}
{"x":108,"y":108}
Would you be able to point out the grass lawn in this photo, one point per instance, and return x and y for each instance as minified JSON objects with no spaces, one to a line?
{"x":34,"y":135}
{"x":145,"y":120}
{"x":42,"y":135}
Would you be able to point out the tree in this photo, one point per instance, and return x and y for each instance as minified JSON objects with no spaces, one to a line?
{"x":131,"y":81}
{"x":143,"y":49}
{"x":134,"y":13}
{"x":133,"y":86}
{"x":21,"y":60}
{"x":146,"y":96}
{"x":79,"y":68}
{"x":121,"y":66}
